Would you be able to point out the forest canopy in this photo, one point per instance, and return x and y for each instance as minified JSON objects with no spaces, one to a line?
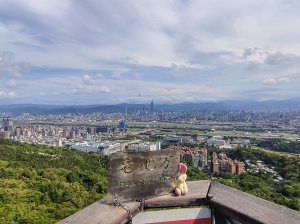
{"x":41,"y":184}
{"x":280,"y":145}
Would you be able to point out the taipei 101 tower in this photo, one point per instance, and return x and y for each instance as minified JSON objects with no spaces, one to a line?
{"x":152,"y":107}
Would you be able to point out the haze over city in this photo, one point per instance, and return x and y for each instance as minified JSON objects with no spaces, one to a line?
{"x":104,"y":52}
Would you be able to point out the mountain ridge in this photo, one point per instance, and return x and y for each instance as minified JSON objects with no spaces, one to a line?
{"x":43,"y":109}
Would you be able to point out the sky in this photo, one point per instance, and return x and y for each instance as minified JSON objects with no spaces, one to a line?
{"x":131,"y":51}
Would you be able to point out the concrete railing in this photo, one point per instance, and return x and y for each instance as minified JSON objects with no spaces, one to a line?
{"x":227,"y":205}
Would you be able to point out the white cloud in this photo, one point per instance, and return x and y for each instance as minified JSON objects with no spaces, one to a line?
{"x":92,"y":79}
{"x":130,"y":60}
{"x":11,"y":83}
{"x":283,"y":80}
{"x":87,"y":90}
{"x":279,"y":58}
{"x":274,"y":81}
{"x":108,"y":91}
{"x":9,"y":67}
{"x":255,"y":55}
{"x":4,"y":94}
{"x":184,"y":70}
{"x":151,"y":32}
{"x":124,"y":48}
{"x":88,"y":80}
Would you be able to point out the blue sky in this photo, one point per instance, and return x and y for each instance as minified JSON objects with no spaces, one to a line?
{"x":107,"y":52}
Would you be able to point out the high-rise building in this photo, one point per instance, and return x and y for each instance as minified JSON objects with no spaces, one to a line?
{"x":91,"y":130}
{"x":18,"y":132}
{"x":216,"y":167}
{"x":104,"y":129}
{"x":122,"y":126}
{"x":7,"y":124}
{"x":230,"y":167}
{"x":152,"y":109}
{"x":240,"y":167}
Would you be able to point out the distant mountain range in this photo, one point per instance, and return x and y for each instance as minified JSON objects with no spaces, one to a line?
{"x":283,"y":105}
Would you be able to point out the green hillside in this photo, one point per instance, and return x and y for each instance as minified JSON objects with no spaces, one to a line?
{"x":261,"y":183}
{"x":40,"y":184}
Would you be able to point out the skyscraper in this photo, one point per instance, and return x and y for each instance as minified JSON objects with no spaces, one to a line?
{"x":7,"y":124}
{"x":123,"y":126}
{"x":152,"y":107}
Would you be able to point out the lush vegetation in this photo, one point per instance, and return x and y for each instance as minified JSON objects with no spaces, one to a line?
{"x":262,"y":184}
{"x":41,"y":184}
{"x":280,"y":145}
{"x":196,"y":174}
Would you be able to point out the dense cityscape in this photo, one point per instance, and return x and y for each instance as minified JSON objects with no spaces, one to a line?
{"x":150,"y":130}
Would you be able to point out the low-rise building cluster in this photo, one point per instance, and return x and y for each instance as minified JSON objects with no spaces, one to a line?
{"x":197,"y":157}
{"x":222,"y":163}
{"x":174,"y":139}
{"x":260,"y":166}
{"x":218,"y":141}
{"x":143,"y":147}
{"x":60,"y":135}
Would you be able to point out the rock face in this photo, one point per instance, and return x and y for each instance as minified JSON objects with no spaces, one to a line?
{"x":142,"y":175}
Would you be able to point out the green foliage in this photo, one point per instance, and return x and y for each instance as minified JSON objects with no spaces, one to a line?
{"x":41,"y":184}
{"x":196,"y":174}
{"x":262,"y":184}
{"x":280,"y":145}
{"x":153,"y":138}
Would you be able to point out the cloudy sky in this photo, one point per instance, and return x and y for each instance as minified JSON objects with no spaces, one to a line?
{"x":107,"y":52}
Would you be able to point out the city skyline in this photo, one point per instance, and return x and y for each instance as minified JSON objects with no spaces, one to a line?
{"x":99,"y":52}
